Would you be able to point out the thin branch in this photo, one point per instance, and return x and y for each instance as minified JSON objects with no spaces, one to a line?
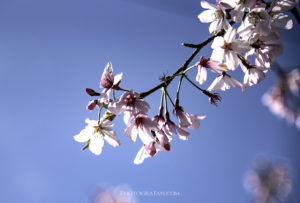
{"x":183,"y":67}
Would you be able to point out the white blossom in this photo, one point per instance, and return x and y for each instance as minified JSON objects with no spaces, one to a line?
{"x":224,"y":82}
{"x":227,"y":48}
{"x":215,"y":15}
{"x":95,"y":133}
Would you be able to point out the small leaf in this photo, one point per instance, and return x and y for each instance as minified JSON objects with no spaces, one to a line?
{"x":87,"y":145}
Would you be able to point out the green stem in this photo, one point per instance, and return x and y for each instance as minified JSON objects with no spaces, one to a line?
{"x":167,"y":93}
{"x":199,"y":88}
{"x":166,"y":102}
{"x":99,"y":113}
{"x":121,"y":89}
{"x":190,"y":68}
{"x":114,"y":95}
{"x":162,"y":99}
{"x":178,"y":88}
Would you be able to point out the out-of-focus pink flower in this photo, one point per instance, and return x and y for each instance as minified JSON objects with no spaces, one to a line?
{"x":131,"y":104}
{"x":276,"y":101}
{"x":293,"y":80}
{"x":269,"y":182}
{"x":143,"y":126}
{"x":282,"y":5}
{"x":108,"y":194}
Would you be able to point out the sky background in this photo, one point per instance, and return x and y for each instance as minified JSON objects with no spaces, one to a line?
{"x":50,"y":51}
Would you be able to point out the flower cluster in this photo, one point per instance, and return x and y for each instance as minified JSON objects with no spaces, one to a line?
{"x":269,"y":182}
{"x":284,"y":98}
{"x":252,"y":33}
{"x":246,"y":34}
{"x":155,"y":133}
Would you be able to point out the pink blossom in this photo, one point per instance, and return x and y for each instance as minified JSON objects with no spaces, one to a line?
{"x":131,"y":104}
{"x":108,"y":82}
{"x":170,"y":128}
{"x":143,"y":126}
{"x":187,"y":120}
{"x":146,"y":151}
{"x":215,"y":66}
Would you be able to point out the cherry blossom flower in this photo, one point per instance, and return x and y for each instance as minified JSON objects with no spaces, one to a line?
{"x":143,"y":126}
{"x":215,"y":15}
{"x":162,"y":140}
{"x":227,"y":48}
{"x":253,"y":74}
{"x":170,"y":128}
{"x":187,"y":120}
{"x":95,"y":133}
{"x":265,"y":48}
{"x":131,"y":104}
{"x":256,"y":21}
{"x":215,"y":66}
{"x":108,"y":82}
{"x":224,"y":82}
{"x":240,"y":8}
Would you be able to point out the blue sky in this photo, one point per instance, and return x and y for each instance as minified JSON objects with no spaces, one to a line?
{"x":51,"y":50}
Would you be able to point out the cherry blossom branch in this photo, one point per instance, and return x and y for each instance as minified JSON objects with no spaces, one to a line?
{"x":169,"y":79}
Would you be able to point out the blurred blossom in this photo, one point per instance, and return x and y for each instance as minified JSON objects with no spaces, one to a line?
{"x":108,"y":194}
{"x":283,"y":99}
{"x":269,"y":181}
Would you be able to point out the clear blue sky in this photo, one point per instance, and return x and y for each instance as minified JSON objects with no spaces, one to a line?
{"x":51,"y":50}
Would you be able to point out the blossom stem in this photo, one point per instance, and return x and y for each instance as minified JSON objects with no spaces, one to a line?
{"x":167,"y":93}
{"x":125,"y":90}
{"x":162,"y":98}
{"x":166,"y":102}
{"x":114,"y":95}
{"x":190,"y":68}
{"x":178,"y":89}
{"x":99,"y":113}
{"x":183,"y":67}
{"x":199,"y":88}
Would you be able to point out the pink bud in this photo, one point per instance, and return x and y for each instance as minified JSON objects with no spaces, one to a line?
{"x":91,"y":92}
{"x":92,"y":104}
